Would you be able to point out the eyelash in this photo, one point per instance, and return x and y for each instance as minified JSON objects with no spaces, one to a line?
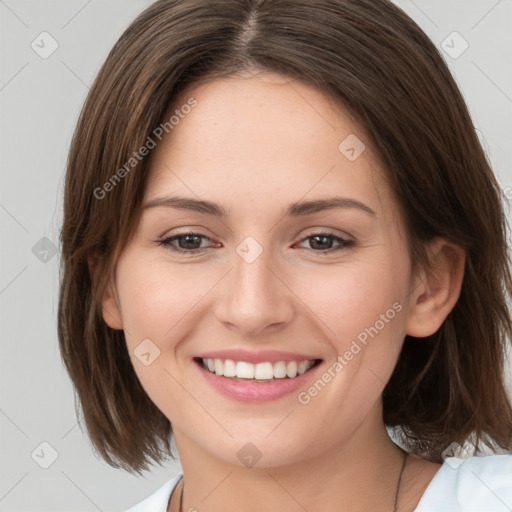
{"x":167,"y":242}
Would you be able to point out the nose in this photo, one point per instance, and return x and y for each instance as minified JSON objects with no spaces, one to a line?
{"x":254,"y":297}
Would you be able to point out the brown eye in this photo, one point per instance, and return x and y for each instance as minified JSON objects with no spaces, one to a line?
{"x":321,"y":242}
{"x":184,"y":242}
{"x":189,"y":241}
{"x":326,"y":242}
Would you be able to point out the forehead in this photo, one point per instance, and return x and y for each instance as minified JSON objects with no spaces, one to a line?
{"x":263,"y":138}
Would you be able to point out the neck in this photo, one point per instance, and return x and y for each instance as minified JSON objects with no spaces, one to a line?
{"x":359,"y":474}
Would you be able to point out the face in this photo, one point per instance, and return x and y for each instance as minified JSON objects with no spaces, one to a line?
{"x":270,"y":249}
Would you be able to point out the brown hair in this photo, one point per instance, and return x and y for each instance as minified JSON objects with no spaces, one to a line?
{"x":381,"y":67}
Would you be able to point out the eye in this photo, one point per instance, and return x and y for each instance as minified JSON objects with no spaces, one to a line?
{"x":323,"y":242}
{"x":185,"y":242}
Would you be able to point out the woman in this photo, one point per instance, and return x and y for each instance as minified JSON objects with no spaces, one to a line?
{"x":282,"y":237}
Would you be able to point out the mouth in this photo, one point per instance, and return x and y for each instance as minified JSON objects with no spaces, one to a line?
{"x":265,"y":371}
{"x":258,"y":381}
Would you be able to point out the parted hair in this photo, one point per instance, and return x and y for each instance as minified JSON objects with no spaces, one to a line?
{"x":381,"y":67}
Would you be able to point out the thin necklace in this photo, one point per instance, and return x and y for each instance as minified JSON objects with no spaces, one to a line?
{"x":395,"y":500}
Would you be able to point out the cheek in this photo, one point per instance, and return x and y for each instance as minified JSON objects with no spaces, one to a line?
{"x":363,"y":315}
{"x":157,"y":297}
{"x":362,"y":311}
{"x":158,"y":307}
{"x":357,"y":302}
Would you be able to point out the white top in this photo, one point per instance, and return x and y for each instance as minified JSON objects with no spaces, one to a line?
{"x":476,"y":484}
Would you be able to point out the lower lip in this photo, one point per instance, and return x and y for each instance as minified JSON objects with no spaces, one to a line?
{"x":251,"y":391}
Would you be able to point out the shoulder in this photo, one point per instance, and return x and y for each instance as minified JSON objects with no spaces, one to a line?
{"x":470,"y":485}
{"x":158,"y":501}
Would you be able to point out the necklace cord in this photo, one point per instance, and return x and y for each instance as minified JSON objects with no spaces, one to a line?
{"x":395,"y":500}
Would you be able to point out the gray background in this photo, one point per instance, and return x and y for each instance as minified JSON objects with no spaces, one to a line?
{"x":40,"y":100}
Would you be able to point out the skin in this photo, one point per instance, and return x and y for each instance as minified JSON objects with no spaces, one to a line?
{"x":254,"y":144}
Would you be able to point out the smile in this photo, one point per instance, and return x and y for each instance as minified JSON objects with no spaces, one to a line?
{"x":256,"y":377}
{"x":261,"y":372}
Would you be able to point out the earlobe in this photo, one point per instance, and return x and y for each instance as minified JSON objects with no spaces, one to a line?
{"x":109,"y":304}
{"x":436,"y":289}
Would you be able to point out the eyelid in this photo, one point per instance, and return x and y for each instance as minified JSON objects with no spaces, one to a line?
{"x":188,"y":230}
{"x":327,"y":231}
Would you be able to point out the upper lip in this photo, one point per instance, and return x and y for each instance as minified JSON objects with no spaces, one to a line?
{"x":261,"y":356}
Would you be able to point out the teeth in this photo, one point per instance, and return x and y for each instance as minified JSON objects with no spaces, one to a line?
{"x":244,"y":370}
{"x":229,"y":368}
{"x":259,"y":371}
{"x":263,"y":371}
{"x":279,"y":370}
{"x":302,"y":367}
{"x":291,"y":369}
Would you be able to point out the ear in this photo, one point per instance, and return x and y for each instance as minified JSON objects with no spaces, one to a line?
{"x":109,"y":303}
{"x":436,"y":289}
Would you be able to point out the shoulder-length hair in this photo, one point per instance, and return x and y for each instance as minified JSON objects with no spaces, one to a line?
{"x":381,"y":67}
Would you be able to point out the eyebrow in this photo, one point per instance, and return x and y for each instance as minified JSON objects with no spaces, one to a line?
{"x":294,"y":210}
